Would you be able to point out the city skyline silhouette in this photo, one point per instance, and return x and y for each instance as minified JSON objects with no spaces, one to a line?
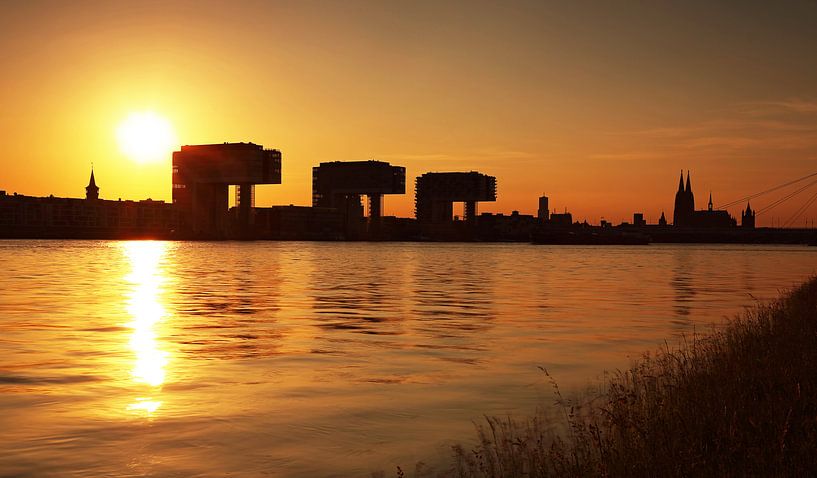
{"x":595,"y":105}
{"x":530,"y":238}
{"x":348,"y":202}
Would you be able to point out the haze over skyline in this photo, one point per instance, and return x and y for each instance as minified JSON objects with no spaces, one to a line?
{"x":596,"y":105}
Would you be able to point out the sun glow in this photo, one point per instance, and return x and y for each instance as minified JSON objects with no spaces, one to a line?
{"x":146,"y":137}
{"x":147,"y":312}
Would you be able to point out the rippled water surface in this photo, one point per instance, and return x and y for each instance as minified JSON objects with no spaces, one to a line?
{"x":314,"y":359}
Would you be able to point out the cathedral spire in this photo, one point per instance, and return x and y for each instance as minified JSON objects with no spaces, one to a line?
{"x":709,"y":206}
{"x":91,"y":190}
{"x":747,"y":217}
{"x":681,"y":182}
{"x":690,"y":198}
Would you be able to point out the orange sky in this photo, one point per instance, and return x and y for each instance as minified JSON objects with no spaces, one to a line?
{"x":595,"y":104}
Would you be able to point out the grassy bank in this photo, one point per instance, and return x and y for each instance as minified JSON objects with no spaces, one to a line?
{"x":739,"y":402}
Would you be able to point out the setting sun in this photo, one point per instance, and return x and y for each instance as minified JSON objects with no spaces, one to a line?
{"x":146,"y":137}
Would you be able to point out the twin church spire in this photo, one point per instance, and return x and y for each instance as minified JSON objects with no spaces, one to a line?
{"x":684,"y":212}
{"x":681,"y":188}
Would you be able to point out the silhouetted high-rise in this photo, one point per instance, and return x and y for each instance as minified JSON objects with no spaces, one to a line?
{"x":202,"y":175}
{"x":91,"y":190}
{"x":435,"y":193}
{"x":339,"y":185}
{"x":543,"y":214}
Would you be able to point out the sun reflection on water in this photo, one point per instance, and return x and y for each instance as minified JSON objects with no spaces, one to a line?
{"x":146,"y":312}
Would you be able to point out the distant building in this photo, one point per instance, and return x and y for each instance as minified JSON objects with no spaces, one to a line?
{"x":202,"y":175}
{"x":662,"y":221}
{"x":499,"y":227}
{"x":55,"y":217}
{"x":638,"y":219}
{"x":685,"y":214}
{"x":91,"y":190}
{"x":435,"y":194}
{"x":298,"y":223}
{"x":747,"y":217}
{"x":684,"y":203}
{"x":561,"y":219}
{"x":340,"y":184}
{"x":543,"y":214}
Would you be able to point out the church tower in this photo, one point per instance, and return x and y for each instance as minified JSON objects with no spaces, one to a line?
{"x":91,"y":190}
{"x":679,"y":202}
{"x":690,"y":198}
{"x":747,"y":218}
{"x":684,"y":203}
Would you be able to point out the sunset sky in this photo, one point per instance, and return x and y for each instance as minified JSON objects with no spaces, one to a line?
{"x":596,"y":104}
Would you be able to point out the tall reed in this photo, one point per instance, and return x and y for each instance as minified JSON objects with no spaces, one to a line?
{"x":739,"y":402}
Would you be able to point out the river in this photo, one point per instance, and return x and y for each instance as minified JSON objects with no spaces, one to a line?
{"x":327,"y":359}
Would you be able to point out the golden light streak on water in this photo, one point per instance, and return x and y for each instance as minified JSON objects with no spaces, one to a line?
{"x":147,"y":312}
{"x":146,"y":405}
{"x":245,"y":359}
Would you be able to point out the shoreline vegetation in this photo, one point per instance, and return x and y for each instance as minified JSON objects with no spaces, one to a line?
{"x":741,"y":401}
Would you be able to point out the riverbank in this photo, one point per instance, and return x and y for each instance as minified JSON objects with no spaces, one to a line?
{"x":739,"y":402}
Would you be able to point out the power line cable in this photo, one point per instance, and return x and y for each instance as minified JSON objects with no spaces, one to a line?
{"x":752,"y":196}
{"x":794,"y":217}
{"x":785,"y":198}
